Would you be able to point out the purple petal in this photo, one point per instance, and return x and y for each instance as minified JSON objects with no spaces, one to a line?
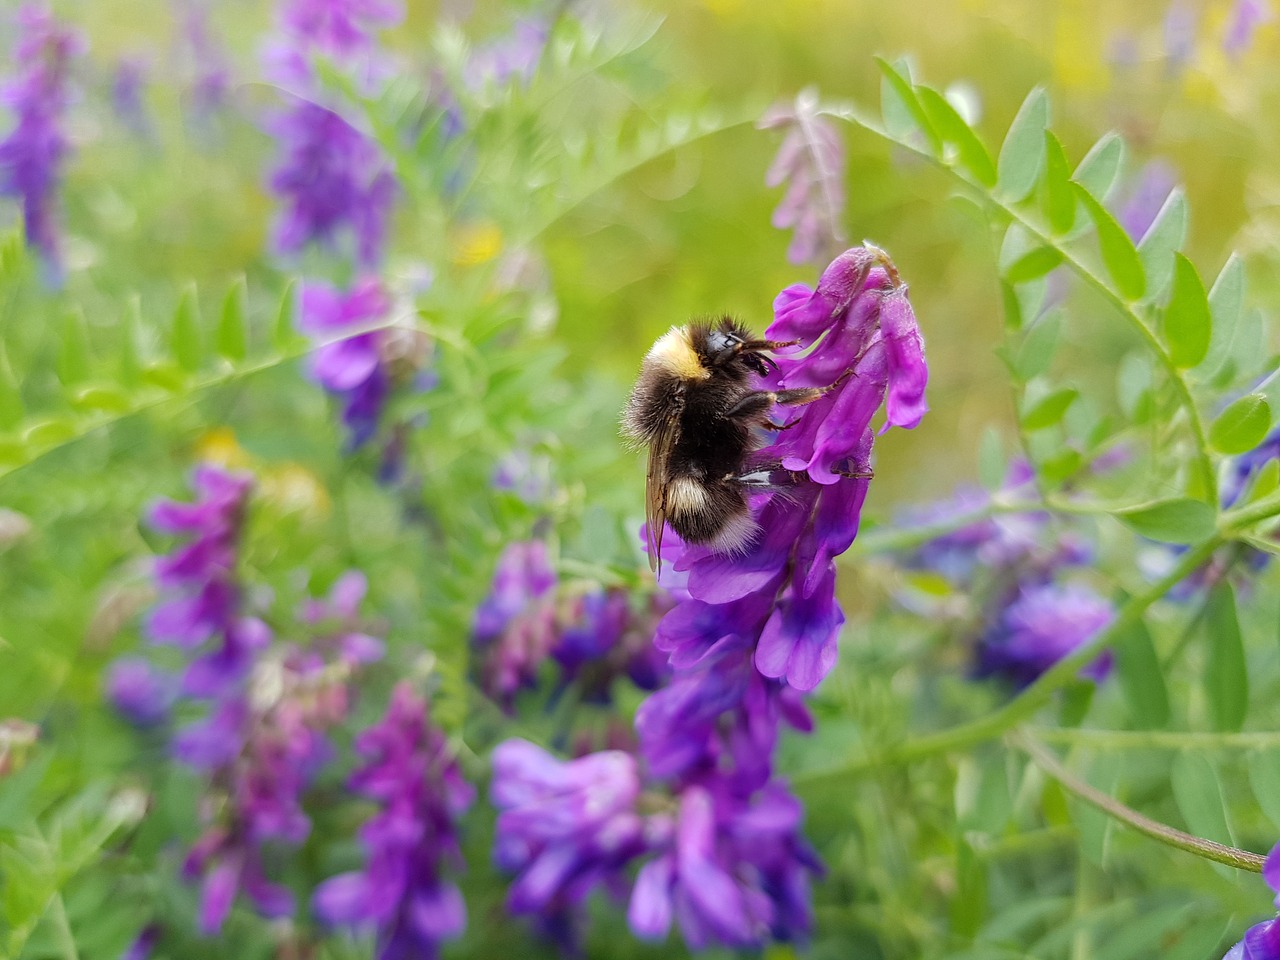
{"x":649,"y":914}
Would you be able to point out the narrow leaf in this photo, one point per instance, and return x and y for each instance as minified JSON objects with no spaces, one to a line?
{"x":1187,"y":321}
{"x":284,"y":333}
{"x":991,"y":465}
{"x":230,"y":336}
{"x":1022,"y":153}
{"x":73,"y":352}
{"x":1032,"y":265}
{"x":1264,"y":777}
{"x":900,"y":87}
{"x":1049,"y":410}
{"x":11,"y":407}
{"x":1012,"y":306}
{"x":1036,"y":352}
{"x":186,"y":332}
{"x":1198,"y":793}
{"x":1118,"y":252}
{"x":1162,"y":239}
{"x":1226,"y":306}
{"x":1226,"y":678}
{"x":1179,"y":520}
{"x":1098,"y":170}
{"x":1058,"y":200}
{"x":1242,"y":426}
{"x":1141,"y":678}
{"x":953,"y":129}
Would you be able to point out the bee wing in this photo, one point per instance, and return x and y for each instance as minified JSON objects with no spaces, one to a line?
{"x":655,"y":491}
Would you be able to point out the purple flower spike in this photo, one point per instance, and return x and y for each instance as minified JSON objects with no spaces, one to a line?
{"x":340,"y":27}
{"x":31,"y":155}
{"x":1262,"y":940}
{"x":1043,"y":625}
{"x":563,"y":827}
{"x":811,"y":161}
{"x":401,"y":892}
{"x":331,"y":179}
{"x":1246,"y":17}
{"x":511,"y":57}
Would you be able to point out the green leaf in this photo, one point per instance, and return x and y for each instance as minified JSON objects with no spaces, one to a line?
{"x":284,"y":333}
{"x":1198,"y":794}
{"x":1226,"y":677}
{"x":1242,"y":426}
{"x":1036,"y":353}
{"x":1012,"y":306}
{"x":969,"y":901}
{"x":1226,"y":306}
{"x":1265,"y":482}
{"x":11,"y":406}
{"x":1098,"y":170}
{"x":1162,"y":239}
{"x":186,"y":332}
{"x":895,"y":85}
{"x":1048,"y":410}
{"x":1094,"y":826}
{"x":1187,"y":321}
{"x":991,"y":464}
{"x":1032,"y":265}
{"x":230,"y":338}
{"x":1058,"y":200}
{"x":1178,"y":520}
{"x":1264,"y":778}
{"x":1133,"y":386}
{"x":1022,"y":153}
{"x":953,"y":129}
{"x":1198,"y":940}
{"x":73,"y":353}
{"x":1119,"y":255}
{"x":1141,"y":678}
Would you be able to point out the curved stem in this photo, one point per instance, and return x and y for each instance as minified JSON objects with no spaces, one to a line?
{"x":1100,"y":739}
{"x":1126,"y":309}
{"x":1208,"y":849}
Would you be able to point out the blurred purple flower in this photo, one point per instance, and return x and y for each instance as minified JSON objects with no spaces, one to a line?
{"x":1042,"y":625}
{"x":1246,"y":17}
{"x":1146,"y":195}
{"x":600,"y":637}
{"x":31,"y":155}
{"x":514,"y":56}
{"x":339,"y":616}
{"x":330,"y":178}
{"x":1181,"y":24}
{"x":514,"y":629}
{"x":413,"y":776}
{"x":1262,"y":940}
{"x":142,"y":694}
{"x":811,"y":161}
{"x":211,"y":77}
{"x":127,"y":86}
{"x":143,"y":944}
{"x":563,"y":827}
{"x":339,"y":28}
{"x":350,"y":368}
{"x":525,"y":474}
{"x":734,"y":872}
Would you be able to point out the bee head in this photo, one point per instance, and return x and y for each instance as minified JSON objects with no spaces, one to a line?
{"x":729,"y":346}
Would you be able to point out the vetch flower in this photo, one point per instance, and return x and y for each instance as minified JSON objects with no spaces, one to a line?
{"x":1246,"y":17}
{"x":127,"y":86}
{"x":401,"y":892}
{"x":31,"y":155}
{"x":811,"y":161}
{"x":333,"y":181}
{"x":514,"y":56}
{"x":1146,"y":196}
{"x":514,"y":630}
{"x":142,"y":694}
{"x":1042,"y":625}
{"x":1262,"y":940}
{"x":339,"y":28}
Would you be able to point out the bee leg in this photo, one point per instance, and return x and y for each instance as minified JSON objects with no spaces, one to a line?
{"x":754,"y":407}
{"x":770,"y":476}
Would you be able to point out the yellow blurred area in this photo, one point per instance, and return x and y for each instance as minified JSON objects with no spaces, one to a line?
{"x":287,"y":488}
{"x":475,"y":243}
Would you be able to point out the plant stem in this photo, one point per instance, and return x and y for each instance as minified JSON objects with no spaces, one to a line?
{"x":1099,"y":739}
{"x":1208,"y":849}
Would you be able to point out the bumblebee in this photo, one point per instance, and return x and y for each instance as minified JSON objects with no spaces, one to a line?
{"x":696,"y":407}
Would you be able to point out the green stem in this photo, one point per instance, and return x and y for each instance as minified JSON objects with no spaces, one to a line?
{"x":1204,"y":464}
{"x":1099,"y":739}
{"x":1030,"y":700}
{"x":1208,"y":849}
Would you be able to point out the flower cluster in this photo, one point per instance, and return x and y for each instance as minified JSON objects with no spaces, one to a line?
{"x":811,"y":161}
{"x":1007,"y":572}
{"x":261,"y":739}
{"x":595,"y":635}
{"x":723,"y":856}
{"x":31,"y":155}
{"x":401,"y":892}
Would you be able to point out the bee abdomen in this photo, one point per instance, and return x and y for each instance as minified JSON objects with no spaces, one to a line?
{"x":715,"y":514}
